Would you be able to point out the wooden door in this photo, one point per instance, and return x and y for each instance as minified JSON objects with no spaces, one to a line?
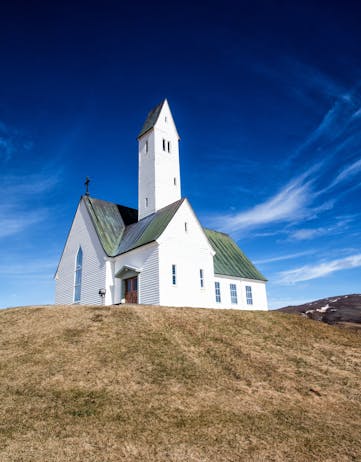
{"x":131,"y":290}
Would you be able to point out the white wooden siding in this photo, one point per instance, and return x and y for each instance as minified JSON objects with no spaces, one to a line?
{"x":187,"y":248}
{"x":259,"y":294}
{"x":146,"y":259}
{"x":149,"y":279}
{"x":82,"y":234}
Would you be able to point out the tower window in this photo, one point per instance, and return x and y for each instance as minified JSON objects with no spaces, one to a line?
{"x":175,"y":181}
{"x":146,"y":202}
{"x":78,"y":274}
{"x":163,"y":144}
{"x":174,"y":275}
{"x":165,"y":119}
{"x":201,"y":278}
{"x":168,"y":146}
{"x":185,"y":226}
{"x":146,"y":146}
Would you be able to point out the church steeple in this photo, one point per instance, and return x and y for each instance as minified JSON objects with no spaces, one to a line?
{"x":159,"y":173}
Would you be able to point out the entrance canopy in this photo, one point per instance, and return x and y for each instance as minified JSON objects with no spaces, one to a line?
{"x":126,"y":272}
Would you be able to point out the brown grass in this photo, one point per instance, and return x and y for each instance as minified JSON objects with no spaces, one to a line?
{"x":161,"y":384}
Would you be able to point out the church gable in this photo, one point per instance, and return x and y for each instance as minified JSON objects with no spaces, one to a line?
{"x":185,"y":225}
{"x":82,"y":236}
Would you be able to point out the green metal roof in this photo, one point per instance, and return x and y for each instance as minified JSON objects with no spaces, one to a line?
{"x":155,"y":224}
{"x":110,"y":221}
{"x":229,"y":259}
{"x":118,"y":229}
{"x":119,"y":232}
{"x":151,"y":119}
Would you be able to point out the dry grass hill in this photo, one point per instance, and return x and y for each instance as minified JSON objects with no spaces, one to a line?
{"x":137,"y":383}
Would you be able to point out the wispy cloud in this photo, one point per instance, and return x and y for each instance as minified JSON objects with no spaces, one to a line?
{"x":11,"y":141}
{"x":291,"y":203}
{"x":312,"y":233}
{"x":308,"y":272}
{"x":333,"y":131}
{"x":34,"y":269}
{"x":15,"y":186}
{"x":348,"y":172}
{"x":20,"y":208}
{"x":13,"y":222}
{"x":338,"y":136}
{"x":290,"y":256}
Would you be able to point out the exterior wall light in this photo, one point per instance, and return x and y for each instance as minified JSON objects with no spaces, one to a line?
{"x":102,"y":293}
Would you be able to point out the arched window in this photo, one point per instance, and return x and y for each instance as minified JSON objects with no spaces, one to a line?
{"x":77,"y":278}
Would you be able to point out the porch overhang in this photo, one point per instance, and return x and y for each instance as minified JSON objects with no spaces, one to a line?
{"x":127,"y":271}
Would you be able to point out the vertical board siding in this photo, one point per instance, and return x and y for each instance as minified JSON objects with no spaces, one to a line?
{"x":82,"y":234}
{"x":149,"y":280}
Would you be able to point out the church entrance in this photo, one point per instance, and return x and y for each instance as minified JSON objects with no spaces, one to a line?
{"x":131,"y":290}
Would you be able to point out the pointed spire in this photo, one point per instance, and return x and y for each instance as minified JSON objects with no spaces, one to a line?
{"x":151,"y":119}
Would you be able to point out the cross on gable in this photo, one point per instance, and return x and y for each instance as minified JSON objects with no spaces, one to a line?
{"x":87,"y":181}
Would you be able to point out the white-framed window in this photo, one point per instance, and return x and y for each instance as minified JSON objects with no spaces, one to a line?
{"x":163,"y":144}
{"x":168,"y":146}
{"x":78,"y":275}
{"x":233,"y":289}
{"x":146,"y":146}
{"x":201,"y":278}
{"x":218,"y":291}
{"x":174,"y":275}
{"x":249,"y":296}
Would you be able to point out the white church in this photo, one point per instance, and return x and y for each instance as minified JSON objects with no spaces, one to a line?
{"x":159,"y":254}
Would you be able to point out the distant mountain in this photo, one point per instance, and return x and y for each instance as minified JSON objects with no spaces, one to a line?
{"x":332,"y":310}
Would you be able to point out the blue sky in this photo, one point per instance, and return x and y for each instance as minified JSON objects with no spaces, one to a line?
{"x":267,"y":100}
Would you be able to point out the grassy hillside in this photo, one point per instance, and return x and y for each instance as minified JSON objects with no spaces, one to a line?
{"x":161,"y":384}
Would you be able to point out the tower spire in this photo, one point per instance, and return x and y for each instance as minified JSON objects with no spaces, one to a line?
{"x":159,"y":175}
